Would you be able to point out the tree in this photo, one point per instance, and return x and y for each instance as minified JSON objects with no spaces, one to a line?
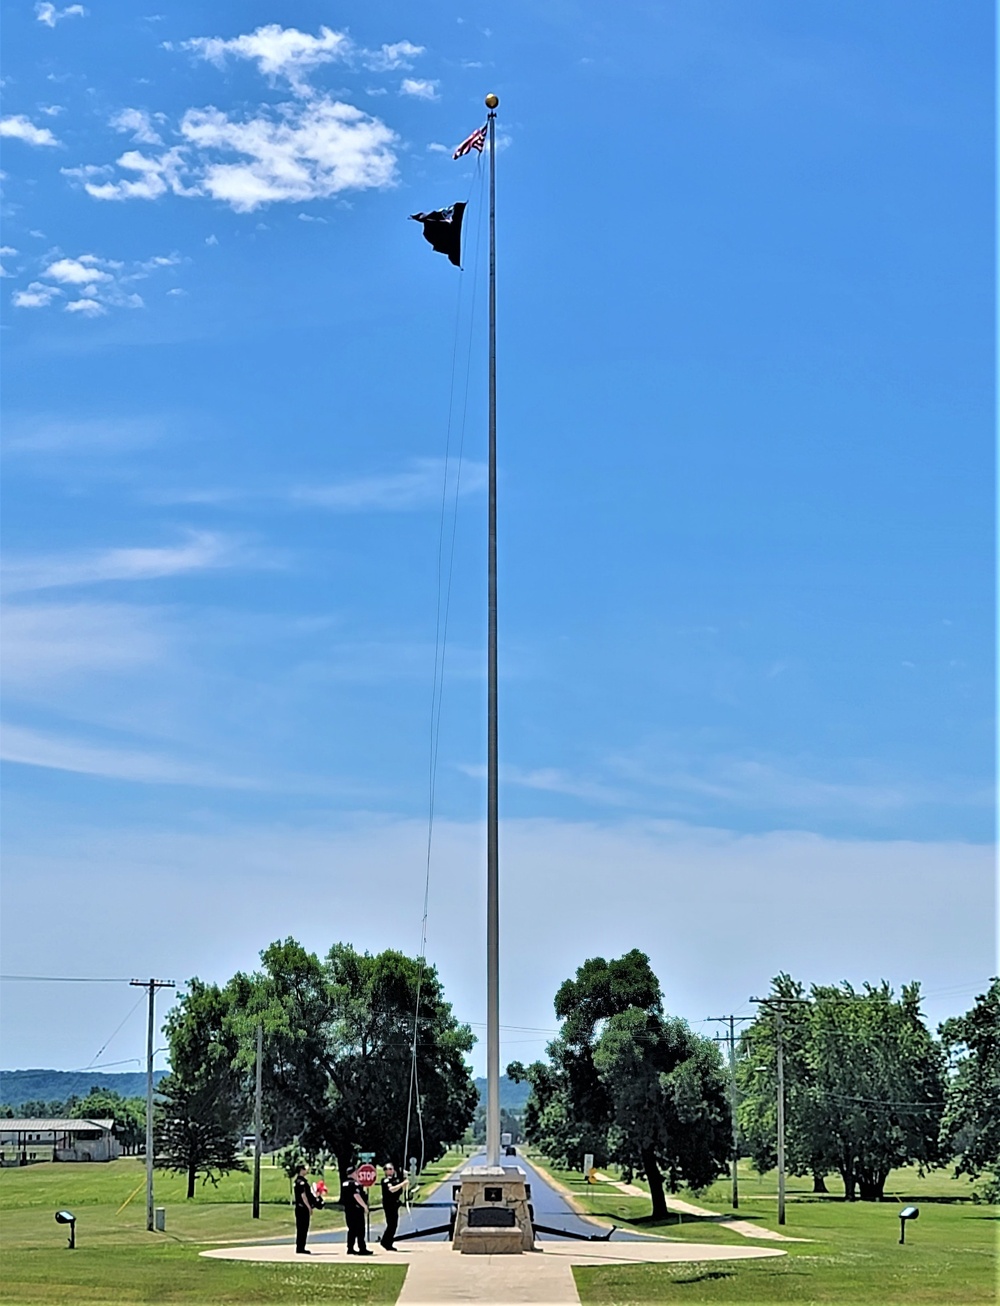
{"x":628,"y":1083}
{"x":129,"y":1114}
{"x":201,"y":1111}
{"x":806,"y":1148}
{"x":37,"y":1109}
{"x":864,"y":1081}
{"x":338,"y":1042}
{"x":970,"y":1128}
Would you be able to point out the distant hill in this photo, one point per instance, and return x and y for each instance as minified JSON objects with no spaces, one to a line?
{"x":17,"y":1086}
{"x":513,"y":1097}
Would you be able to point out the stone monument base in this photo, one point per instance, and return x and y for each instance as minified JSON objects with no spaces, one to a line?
{"x":493,"y":1216}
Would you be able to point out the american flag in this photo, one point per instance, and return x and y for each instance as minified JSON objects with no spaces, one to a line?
{"x":474,"y":142}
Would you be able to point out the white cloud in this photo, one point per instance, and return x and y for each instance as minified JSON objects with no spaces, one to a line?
{"x":203,"y":550}
{"x":436,"y":148}
{"x":29,"y":747}
{"x":77,"y":272}
{"x":49,"y":15}
{"x":419,"y":87}
{"x":389,"y":57}
{"x":309,"y":151}
{"x":45,"y":643}
{"x":778,"y":901}
{"x":293,"y":152}
{"x":211,"y":240}
{"x":156,"y":175}
{"x":103,"y":283}
{"x":139,"y":124}
{"x":44,"y":435}
{"x":277,"y":51}
{"x":20,"y":128}
{"x":312,"y":148}
{"x":6,"y":251}
{"x":420,"y":486}
{"x":88,"y":307}
{"x":37,"y":295}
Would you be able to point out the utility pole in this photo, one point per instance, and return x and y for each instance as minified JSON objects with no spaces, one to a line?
{"x":774,"y":1006}
{"x":257,"y":1120}
{"x":731,"y":1040}
{"x":780,"y":1029}
{"x":151,"y":985}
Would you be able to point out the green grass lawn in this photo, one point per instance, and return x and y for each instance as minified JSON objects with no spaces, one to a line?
{"x":116,"y":1260}
{"x":854,"y":1256}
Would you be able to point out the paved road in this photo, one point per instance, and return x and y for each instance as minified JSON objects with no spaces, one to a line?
{"x":549,"y":1205}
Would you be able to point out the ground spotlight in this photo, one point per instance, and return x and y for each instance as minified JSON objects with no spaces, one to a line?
{"x":907,"y":1213}
{"x":67,"y":1217}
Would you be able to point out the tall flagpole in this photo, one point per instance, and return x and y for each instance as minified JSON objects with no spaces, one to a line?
{"x":492,"y":842}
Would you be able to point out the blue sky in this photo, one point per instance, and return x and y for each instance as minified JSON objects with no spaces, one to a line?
{"x":745,"y":429}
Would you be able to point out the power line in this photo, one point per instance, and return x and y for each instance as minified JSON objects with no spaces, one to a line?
{"x":69,"y":979}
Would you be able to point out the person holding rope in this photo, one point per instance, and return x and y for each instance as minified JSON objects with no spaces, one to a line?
{"x":392,"y":1190}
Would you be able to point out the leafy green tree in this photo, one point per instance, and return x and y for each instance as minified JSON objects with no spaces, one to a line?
{"x":37,"y":1109}
{"x":129,"y":1114}
{"x":629,"y":1083}
{"x":807,"y":1148}
{"x":338,"y":1064}
{"x":970,"y":1129}
{"x":864,"y":1082}
{"x":201,"y":1111}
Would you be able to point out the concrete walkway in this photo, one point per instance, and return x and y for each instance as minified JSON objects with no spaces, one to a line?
{"x":744,"y":1227}
{"x":435,"y":1274}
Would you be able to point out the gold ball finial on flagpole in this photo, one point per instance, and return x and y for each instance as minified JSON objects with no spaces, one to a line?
{"x":492,"y":100}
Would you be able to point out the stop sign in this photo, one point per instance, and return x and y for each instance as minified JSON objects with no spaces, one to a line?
{"x":366,"y":1174}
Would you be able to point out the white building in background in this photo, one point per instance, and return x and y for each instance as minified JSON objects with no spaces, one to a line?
{"x":24,"y":1141}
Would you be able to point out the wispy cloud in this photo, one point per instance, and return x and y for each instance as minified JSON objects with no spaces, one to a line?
{"x":279,"y":52}
{"x":138,"y":124}
{"x":726,"y":787}
{"x":200,"y":552}
{"x":285,"y":53}
{"x":19,"y":128}
{"x":43,"y":435}
{"x":420,"y":88}
{"x":419,"y":486}
{"x":390,"y":57}
{"x":49,"y":15}
{"x":29,"y":747}
{"x":47,"y":642}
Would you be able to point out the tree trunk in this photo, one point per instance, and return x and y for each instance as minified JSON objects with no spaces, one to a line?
{"x":870,"y":1187}
{"x":192,"y":1175}
{"x":850,"y":1182}
{"x":819,"y":1182}
{"x":343,"y":1165}
{"x":655,"y":1184}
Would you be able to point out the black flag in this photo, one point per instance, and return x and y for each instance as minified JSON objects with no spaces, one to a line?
{"x":443,"y":228}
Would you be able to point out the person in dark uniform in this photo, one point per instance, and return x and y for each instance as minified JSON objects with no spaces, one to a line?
{"x":302,"y":1198}
{"x":392,"y":1191}
{"x":355,"y":1201}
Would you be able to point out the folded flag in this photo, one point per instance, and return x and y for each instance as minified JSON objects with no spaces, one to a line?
{"x":443,"y":228}
{"x":474,"y":142}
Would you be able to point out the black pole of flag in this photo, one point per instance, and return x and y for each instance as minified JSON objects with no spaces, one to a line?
{"x":492,"y":841}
